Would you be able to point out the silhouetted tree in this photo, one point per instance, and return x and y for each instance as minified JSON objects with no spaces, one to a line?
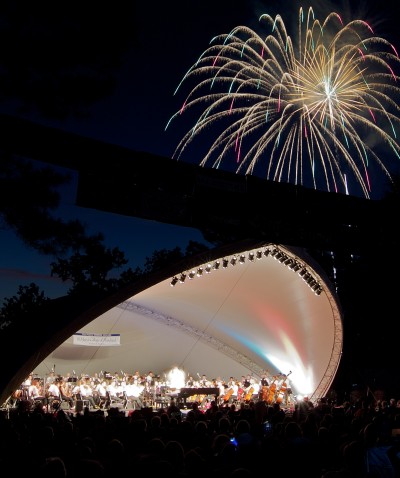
{"x":29,"y":198}
{"x":29,"y":299}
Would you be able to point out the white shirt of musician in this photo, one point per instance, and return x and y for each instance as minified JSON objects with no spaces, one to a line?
{"x":221,"y":387}
{"x":119,"y":389}
{"x":53,"y":390}
{"x":235,"y":387}
{"x":134,"y":390}
{"x":27,"y":382}
{"x":255,"y":385}
{"x":85,"y":390}
{"x":112,"y":389}
{"x":101,"y":389}
{"x":33,"y":391}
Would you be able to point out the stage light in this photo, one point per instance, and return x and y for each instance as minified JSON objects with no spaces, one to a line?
{"x":282,"y":258}
{"x":182,"y":278}
{"x":312,"y":282}
{"x":278,"y":256}
{"x":307,"y":276}
{"x":251,"y":256}
{"x":233,"y":260}
{"x":317,"y":288}
{"x":242,"y":259}
{"x":191,"y":274}
{"x":303,"y":272}
{"x":296,"y":266}
{"x":274,"y":252}
{"x":199,"y":271}
{"x":216,"y":265}
{"x":174,"y":281}
{"x":224,"y":263}
{"x":288,"y":262}
{"x":208,"y":268}
{"x":259,"y":255}
{"x":266,"y":252}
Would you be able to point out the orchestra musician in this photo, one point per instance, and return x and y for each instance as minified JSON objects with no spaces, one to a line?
{"x":100,"y":393}
{"x":35,"y":393}
{"x":114,"y":391}
{"x":53,"y":391}
{"x":270,"y":389}
{"x":28,"y":381}
{"x":264,"y":391}
{"x":231,"y":391}
{"x":220,"y":384}
{"x":264,"y":380}
{"x":255,"y":388}
{"x":65,"y":392}
{"x":84,"y":390}
{"x":51,"y":378}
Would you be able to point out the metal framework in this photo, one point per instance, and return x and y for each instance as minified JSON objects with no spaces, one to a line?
{"x":196,"y":333}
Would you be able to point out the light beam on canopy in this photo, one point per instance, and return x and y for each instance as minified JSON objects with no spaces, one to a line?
{"x":270,"y":309}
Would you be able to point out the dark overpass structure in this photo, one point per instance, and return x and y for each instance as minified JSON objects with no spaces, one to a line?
{"x":224,"y":206}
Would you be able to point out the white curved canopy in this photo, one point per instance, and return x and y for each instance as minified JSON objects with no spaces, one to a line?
{"x":243,"y":319}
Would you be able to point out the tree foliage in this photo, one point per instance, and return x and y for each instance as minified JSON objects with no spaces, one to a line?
{"x":28,"y":300}
{"x":29,"y":198}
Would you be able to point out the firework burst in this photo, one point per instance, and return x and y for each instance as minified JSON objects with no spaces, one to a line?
{"x":302,"y":112}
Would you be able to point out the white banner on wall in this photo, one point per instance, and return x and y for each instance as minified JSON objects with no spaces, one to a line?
{"x":97,"y":340}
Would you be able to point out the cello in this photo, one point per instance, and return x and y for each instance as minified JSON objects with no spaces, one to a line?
{"x":249,"y":394}
{"x":228,"y":394}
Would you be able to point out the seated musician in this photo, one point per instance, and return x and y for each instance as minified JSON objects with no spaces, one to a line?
{"x":255,"y":385}
{"x":28,"y":381}
{"x":35,"y":393}
{"x":85,"y":392}
{"x":53,"y":391}
{"x":264,"y":380}
{"x":133,"y":389}
{"x":65,"y":393}
{"x":51,"y":378}
{"x":100,"y":392}
{"x":114,"y":391}
{"x":231,"y":391}
{"x":54,"y":394}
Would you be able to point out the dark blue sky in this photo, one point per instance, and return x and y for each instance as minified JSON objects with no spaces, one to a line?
{"x":169,"y":37}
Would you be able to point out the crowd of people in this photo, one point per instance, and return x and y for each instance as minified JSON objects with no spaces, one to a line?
{"x":322,"y":440}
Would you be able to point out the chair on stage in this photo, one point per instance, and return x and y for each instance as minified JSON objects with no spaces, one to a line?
{"x":135,"y":402}
{"x":81,"y":403}
{"x":110,"y":401}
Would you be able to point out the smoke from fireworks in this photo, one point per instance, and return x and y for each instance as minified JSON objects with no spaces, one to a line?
{"x":302,"y":112}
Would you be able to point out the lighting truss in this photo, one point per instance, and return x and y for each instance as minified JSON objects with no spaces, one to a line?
{"x":270,"y":251}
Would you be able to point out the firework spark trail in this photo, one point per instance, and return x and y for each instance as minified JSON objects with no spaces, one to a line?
{"x":301,"y":112}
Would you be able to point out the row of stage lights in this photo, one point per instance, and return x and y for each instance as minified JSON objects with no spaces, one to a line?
{"x":274,"y":252}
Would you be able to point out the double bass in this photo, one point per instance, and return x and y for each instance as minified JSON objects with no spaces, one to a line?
{"x":282,"y":389}
{"x":272,"y":390}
